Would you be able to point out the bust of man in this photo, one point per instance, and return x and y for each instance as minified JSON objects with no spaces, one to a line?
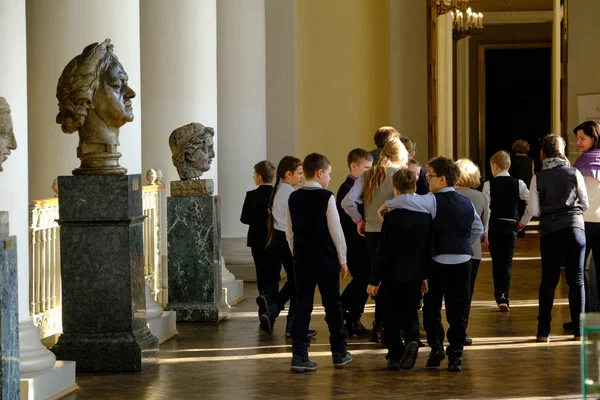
{"x":192,"y":149}
{"x":7,"y":137}
{"x":95,"y":100}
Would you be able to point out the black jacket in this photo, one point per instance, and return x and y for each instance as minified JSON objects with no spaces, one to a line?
{"x":255,"y":213}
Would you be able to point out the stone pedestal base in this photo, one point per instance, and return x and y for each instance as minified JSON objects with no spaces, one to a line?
{"x":9,"y":319}
{"x":102,"y":261}
{"x":234,"y":291}
{"x":163,"y":327}
{"x":194,"y":240}
{"x":53,"y":383}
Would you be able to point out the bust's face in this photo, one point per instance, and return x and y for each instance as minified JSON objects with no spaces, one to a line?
{"x":112,"y":101}
{"x":7,"y":138}
{"x":202,"y":153}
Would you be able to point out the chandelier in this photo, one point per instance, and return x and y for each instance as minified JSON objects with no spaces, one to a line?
{"x":466,"y":25}
{"x":445,"y":6}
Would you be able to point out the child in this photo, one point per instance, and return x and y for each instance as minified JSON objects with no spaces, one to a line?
{"x":411,"y":147}
{"x":381,"y":137}
{"x":503,"y":194}
{"x":559,"y":196}
{"x":402,"y":260}
{"x":289,"y":174}
{"x":467,"y":183}
{"x":456,"y":226}
{"x":372,"y":189}
{"x":316,"y":239}
{"x":355,"y":296}
{"x":256,"y":214}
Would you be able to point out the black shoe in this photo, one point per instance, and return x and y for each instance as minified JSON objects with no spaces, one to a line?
{"x":341,"y":360}
{"x":356,"y":328}
{"x":393,"y":364}
{"x":377,"y":333}
{"x":420,"y":343}
{"x":311,"y":333}
{"x":503,"y":303}
{"x":455,"y":363}
{"x":302,"y":365}
{"x":568,"y":326}
{"x":435,"y":358}
{"x":468,"y":341}
{"x":261,"y":302}
{"x":410,"y":356}
{"x":266,"y":324}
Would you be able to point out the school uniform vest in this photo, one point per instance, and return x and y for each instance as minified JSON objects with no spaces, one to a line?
{"x":312,"y":240}
{"x":452,"y":224}
{"x":559,"y":202}
{"x":504,"y":198}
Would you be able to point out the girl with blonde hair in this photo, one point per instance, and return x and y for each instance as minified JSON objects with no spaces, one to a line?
{"x":373,"y":189}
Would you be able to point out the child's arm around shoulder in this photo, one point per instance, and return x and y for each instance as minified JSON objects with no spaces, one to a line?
{"x":337,"y":234}
{"x":413,"y":202}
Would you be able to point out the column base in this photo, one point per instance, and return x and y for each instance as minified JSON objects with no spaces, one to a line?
{"x":109,"y":352}
{"x":234,"y":291}
{"x":50,"y":384}
{"x":200,"y":312}
{"x":163,"y":327}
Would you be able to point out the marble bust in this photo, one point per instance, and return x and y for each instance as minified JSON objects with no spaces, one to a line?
{"x":7,"y":137}
{"x":192,"y":149}
{"x":95,"y":100}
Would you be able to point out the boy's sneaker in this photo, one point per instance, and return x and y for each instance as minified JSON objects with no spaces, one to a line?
{"x":261,"y":302}
{"x":436,"y":355}
{"x":503,"y":303}
{"x":410,"y":356}
{"x":455,"y":363}
{"x":300,"y":364}
{"x":341,"y":360}
{"x":266,"y":324}
{"x":468,"y":341}
{"x":393,"y":364}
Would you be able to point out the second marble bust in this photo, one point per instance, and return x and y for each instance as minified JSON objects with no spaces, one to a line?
{"x":192,"y":150}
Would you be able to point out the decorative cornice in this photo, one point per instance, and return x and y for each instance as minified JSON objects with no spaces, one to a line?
{"x":517,"y":17}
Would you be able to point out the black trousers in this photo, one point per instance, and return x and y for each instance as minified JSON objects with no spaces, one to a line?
{"x":474,"y":269}
{"x":592,"y":240}
{"x":373,"y":240}
{"x":268,"y":268}
{"x":450,"y":282}
{"x":402,"y":301}
{"x":355,"y":294}
{"x":569,"y":245}
{"x":503,"y":240}
{"x":325,"y":275}
{"x":288,"y":291}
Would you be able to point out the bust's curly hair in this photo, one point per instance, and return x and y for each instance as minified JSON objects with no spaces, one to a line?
{"x":180,"y":142}
{"x":78,"y":83}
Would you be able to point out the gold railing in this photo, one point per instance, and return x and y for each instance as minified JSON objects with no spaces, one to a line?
{"x":44,"y":261}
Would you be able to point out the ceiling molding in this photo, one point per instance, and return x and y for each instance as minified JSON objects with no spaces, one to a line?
{"x":517,"y":17}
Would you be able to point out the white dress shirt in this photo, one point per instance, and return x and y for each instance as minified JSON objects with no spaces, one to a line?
{"x":333,"y":224}
{"x":280,"y":205}
{"x":523,"y":195}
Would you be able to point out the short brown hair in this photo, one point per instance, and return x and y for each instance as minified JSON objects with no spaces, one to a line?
{"x":520,"y":146}
{"x":502,"y":159}
{"x":553,"y":145}
{"x":445,"y":167}
{"x":412,"y":161}
{"x":410,"y":145}
{"x":359,"y":155}
{"x":384,"y":135}
{"x":404,"y":180}
{"x":469,"y":174}
{"x":266,"y":170}
{"x":314,"y":162}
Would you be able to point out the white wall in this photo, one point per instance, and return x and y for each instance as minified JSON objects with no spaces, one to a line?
{"x":13,"y":180}
{"x":408,"y":71}
{"x":57,"y":31}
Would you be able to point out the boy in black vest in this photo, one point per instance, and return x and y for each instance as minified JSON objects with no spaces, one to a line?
{"x":355,"y":295}
{"x":503,"y":194}
{"x":255,"y":213}
{"x":317,"y":242}
{"x":402,"y":260}
{"x":456,"y":226}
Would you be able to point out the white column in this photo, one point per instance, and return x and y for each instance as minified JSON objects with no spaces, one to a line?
{"x":408,"y":71}
{"x":57,"y":31}
{"x":462,"y":97}
{"x":241,"y":106}
{"x":179,"y":81}
{"x":556,"y":66}
{"x":444,"y":87}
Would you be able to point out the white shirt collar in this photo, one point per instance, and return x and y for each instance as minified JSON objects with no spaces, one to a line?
{"x":312,"y":184}
{"x":503,"y":174}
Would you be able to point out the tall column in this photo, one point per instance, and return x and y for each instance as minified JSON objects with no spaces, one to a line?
{"x":444,"y":87}
{"x":57,"y":31}
{"x":179,"y":81}
{"x":462,"y":97}
{"x":556,"y":66}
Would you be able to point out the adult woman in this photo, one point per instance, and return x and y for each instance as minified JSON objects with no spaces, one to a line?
{"x":468,"y":181}
{"x":373,"y":189}
{"x":558,"y":195}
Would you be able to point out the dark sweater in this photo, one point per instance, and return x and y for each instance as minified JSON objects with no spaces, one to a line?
{"x":452,"y":224}
{"x":504,"y":198}
{"x":255,"y":213}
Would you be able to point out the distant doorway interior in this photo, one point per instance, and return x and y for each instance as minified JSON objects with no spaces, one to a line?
{"x":514,"y":97}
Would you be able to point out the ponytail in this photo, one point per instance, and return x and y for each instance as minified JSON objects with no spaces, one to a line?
{"x":393,"y":154}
